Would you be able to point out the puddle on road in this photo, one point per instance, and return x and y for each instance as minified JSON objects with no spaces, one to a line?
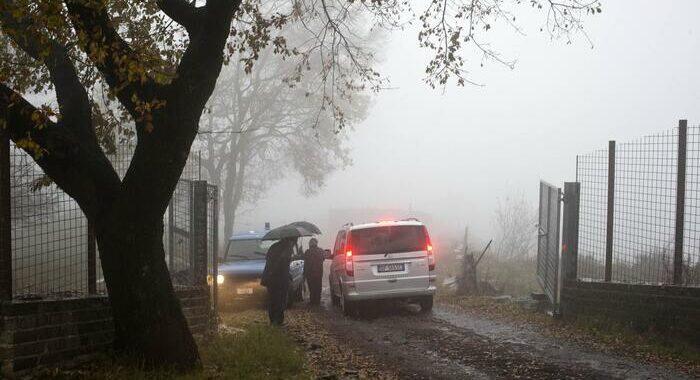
{"x":526,"y":341}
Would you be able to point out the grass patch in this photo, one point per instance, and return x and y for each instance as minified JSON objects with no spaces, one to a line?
{"x":251,"y":351}
{"x":261,"y":352}
{"x":515,"y":277}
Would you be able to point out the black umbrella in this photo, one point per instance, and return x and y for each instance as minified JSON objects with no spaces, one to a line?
{"x":309,"y":227}
{"x":293,"y":230}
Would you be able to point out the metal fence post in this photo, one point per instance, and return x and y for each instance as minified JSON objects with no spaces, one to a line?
{"x":5,"y":215}
{"x":91,"y":259}
{"x":215,"y":248}
{"x":569,"y":240}
{"x":199,"y":236}
{"x":611,"y":212}
{"x":680,"y":202}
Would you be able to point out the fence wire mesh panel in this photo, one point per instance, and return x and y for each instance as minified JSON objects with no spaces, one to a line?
{"x":179,"y":228}
{"x":592,"y":174}
{"x":48,"y":234}
{"x":51,"y":241}
{"x":645,"y":202}
{"x":648,"y":210}
{"x":548,"y":240}
{"x":691,"y":241}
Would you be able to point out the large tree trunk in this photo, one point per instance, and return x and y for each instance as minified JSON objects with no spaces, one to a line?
{"x":229,"y":218}
{"x":148,"y":319}
{"x":229,"y":207}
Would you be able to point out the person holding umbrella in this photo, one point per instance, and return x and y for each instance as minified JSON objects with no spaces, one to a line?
{"x":276,"y":273}
{"x":313,"y":270}
{"x":275,"y":277}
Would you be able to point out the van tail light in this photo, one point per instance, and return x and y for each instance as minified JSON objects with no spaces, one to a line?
{"x":349,"y":265}
{"x":429,"y":248}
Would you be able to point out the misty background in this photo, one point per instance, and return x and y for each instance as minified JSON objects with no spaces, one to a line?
{"x":455,"y":154}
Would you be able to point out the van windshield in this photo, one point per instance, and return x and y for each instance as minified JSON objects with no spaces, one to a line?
{"x":388,"y":239}
{"x":248,"y":249}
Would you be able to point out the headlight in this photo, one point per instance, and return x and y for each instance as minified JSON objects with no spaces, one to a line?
{"x":219,"y":279}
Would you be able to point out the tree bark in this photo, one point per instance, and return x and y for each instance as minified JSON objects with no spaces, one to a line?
{"x":148,"y":320}
{"x":229,"y":216}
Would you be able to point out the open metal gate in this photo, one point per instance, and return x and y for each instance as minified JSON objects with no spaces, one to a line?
{"x":192,"y":222}
{"x":548,"y":240}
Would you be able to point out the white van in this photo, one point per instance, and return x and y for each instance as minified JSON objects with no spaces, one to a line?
{"x":382,"y":260}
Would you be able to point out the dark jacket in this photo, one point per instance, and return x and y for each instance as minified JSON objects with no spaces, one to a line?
{"x":276,"y":270}
{"x":313,"y":261}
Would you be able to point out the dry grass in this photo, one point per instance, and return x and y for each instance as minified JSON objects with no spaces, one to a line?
{"x":514,"y":277}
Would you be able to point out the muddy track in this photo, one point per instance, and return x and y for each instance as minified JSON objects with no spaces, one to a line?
{"x":451,"y":345}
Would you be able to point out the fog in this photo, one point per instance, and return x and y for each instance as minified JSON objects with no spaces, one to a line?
{"x":454,"y":152}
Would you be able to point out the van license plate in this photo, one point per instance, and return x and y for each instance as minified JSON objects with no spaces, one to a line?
{"x":244,"y":291}
{"x":390,"y":267}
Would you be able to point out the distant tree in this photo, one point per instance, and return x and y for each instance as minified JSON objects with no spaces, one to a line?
{"x":261,"y":126}
{"x":516,"y":234}
{"x":158,"y":60}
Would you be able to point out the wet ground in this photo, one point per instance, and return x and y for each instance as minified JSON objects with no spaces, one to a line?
{"x":401,"y":342}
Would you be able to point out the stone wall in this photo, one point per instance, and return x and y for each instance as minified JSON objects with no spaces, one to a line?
{"x":45,"y":332}
{"x":668,"y":310}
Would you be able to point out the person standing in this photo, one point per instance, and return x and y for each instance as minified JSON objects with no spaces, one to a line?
{"x":276,"y":278}
{"x":313,"y":270}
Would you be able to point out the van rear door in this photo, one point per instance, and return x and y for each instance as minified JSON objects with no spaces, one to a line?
{"x":389,"y":257}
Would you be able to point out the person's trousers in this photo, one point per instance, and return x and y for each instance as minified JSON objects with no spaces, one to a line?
{"x":277,"y":302}
{"x":314,"y":282}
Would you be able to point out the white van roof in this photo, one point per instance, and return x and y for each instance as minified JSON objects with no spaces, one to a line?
{"x":408,"y":222}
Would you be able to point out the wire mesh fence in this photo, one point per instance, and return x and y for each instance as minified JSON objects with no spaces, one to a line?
{"x":691,"y":242}
{"x":51,"y":241}
{"x":179,"y":229}
{"x":48,"y":233}
{"x":591,"y":173}
{"x":645,"y":204}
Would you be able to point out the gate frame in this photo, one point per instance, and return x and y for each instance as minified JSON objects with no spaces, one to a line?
{"x":6,"y":290}
{"x":542,"y":278}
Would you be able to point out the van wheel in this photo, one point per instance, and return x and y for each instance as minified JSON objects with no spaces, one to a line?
{"x":349,"y":307}
{"x":426,"y":304}
{"x":335,"y":300}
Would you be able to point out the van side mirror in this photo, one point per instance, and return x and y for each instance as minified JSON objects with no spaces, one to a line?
{"x":327,"y":254}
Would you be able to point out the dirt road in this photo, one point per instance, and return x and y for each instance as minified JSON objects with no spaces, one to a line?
{"x":448,"y":344}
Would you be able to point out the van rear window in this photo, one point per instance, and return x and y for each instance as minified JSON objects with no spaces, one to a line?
{"x":387,"y":239}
